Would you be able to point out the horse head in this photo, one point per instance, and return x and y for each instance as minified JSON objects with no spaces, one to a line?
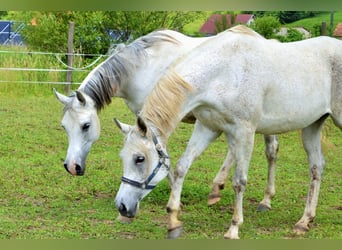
{"x":82,"y":125}
{"x":145,"y":164}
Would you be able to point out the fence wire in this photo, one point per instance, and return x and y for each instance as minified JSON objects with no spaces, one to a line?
{"x":45,"y":67}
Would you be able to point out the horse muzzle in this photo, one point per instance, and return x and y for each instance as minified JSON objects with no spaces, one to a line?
{"x":126,"y":212}
{"x":74,"y":169}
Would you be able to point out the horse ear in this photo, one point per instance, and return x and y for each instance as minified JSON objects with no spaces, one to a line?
{"x":142,"y":126}
{"x":80,"y":98}
{"x":62,"y":98}
{"x":125,"y":128}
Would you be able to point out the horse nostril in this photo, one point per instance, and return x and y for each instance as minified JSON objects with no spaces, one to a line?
{"x":122,"y":209}
{"x":78,"y":169}
{"x":66,"y":167}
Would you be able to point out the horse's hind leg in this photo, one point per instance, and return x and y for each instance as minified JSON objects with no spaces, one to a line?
{"x":271,"y":149}
{"x":220,"y":178}
{"x":242,"y":142}
{"x":199,"y":141}
{"x":311,"y":137}
{"x":336,"y":100}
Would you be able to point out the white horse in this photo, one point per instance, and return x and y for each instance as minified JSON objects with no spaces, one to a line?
{"x":131,"y":72}
{"x":241,"y":84}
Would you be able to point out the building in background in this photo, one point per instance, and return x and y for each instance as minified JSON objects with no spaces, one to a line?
{"x":219,"y":22}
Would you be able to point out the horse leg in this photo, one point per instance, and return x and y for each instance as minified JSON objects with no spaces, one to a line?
{"x":220,"y":178}
{"x":311,"y":137}
{"x":271,"y":150}
{"x":243,"y":147}
{"x":199,"y":141}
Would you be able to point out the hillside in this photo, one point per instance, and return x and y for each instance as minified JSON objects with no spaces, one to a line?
{"x":310,"y":23}
{"x":307,"y":23}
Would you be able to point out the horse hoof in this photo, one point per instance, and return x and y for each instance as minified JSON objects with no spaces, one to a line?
{"x":263,"y":208}
{"x":124,"y":220}
{"x":213,"y":200}
{"x":175,"y":233}
{"x":300,"y":229}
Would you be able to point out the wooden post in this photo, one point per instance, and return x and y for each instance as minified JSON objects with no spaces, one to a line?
{"x":70,"y":56}
{"x":331,"y":23}
{"x":324,"y":29}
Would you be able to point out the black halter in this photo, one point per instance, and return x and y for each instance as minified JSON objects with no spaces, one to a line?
{"x":162,"y":157}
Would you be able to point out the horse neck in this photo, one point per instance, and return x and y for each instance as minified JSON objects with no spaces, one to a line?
{"x":140,"y":84}
{"x":168,"y":103}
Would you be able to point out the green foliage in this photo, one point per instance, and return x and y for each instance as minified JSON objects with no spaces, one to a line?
{"x":133,"y":24}
{"x":2,"y":14}
{"x":92,"y":28}
{"x":291,"y":16}
{"x":292,"y":36}
{"x":314,"y":24}
{"x":266,"y":26}
{"x":222,"y":24}
{"x":287,"y":16}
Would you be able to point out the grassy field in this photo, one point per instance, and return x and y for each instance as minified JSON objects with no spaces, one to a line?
{"x":310,"y":23}
{"x":40,"y":200}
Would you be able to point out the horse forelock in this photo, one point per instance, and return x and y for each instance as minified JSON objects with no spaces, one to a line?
{"x":163,"y":106}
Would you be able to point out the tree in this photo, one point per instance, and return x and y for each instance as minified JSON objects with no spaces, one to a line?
{"x":285,"y":16}
{"x":3,"y":13}
{"x":291,"y":36}
{"x":95,"y":31}
{"x":266,"y":26}
{"x":133,"y":24}
{"x":221,"y":25}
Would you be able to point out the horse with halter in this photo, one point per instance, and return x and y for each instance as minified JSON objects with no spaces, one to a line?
{"x":131,"y":72}
{"x":240,"y":83}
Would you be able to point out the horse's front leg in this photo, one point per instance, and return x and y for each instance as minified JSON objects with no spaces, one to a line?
{"x":271,"y":150}
{"x":311,"y":137}
{"x":199,"y":141}
{"x":241,"y":144}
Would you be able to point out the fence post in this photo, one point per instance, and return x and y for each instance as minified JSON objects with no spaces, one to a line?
{"x":324,"y":29}
{"x":331,"y":23}
{"x":70,"y":56}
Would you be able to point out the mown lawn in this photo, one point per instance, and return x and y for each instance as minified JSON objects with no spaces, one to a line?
{"x":40,"y":200}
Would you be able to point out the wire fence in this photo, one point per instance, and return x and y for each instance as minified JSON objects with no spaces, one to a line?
{"x":17,"y":66}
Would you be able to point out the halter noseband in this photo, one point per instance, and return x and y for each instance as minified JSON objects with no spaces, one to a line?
{"x":162,"y":157}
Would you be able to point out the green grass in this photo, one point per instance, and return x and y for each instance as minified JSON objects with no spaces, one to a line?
{"x":310,"y":23}
{"x":40,"y":200}
{"x":20,"y":57}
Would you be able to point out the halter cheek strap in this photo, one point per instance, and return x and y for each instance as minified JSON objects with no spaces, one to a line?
{"x":162,"y":157}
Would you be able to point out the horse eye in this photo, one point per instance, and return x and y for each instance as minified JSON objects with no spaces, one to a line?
{"x":85,"y":126}
{"x":139,"y":159}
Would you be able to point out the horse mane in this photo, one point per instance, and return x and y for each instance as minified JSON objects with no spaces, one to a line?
{"x":107,"y":78}
{"x":163,"y":105}
{"x":242,"y":29}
